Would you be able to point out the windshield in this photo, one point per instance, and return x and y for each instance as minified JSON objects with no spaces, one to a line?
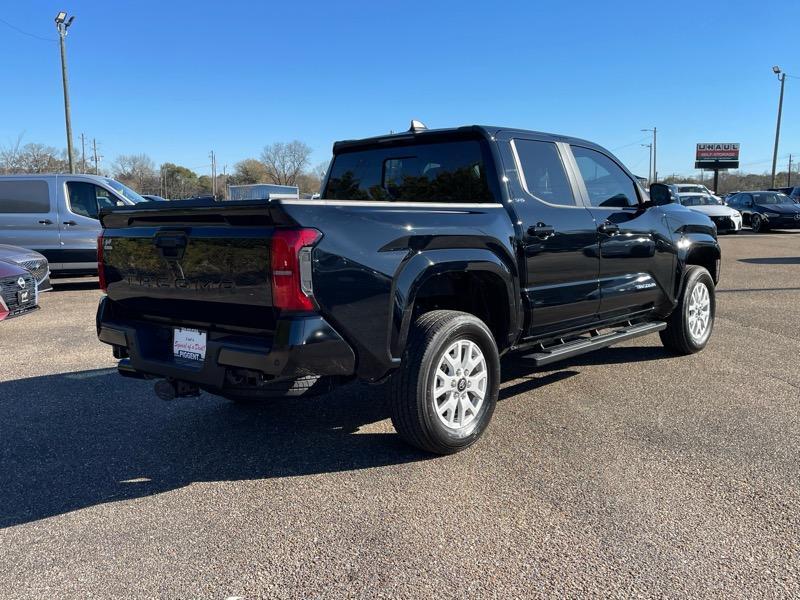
{"x":703,"y":200}
{"x":453,"y":171}
{"x":125,"y":191}
{"x":772,"y":198}
{"x":700,"y":189}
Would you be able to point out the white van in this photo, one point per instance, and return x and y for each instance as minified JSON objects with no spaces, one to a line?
{"x":56,"y":215}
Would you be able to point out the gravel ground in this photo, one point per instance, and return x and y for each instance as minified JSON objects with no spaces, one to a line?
{"x":621,"y":473}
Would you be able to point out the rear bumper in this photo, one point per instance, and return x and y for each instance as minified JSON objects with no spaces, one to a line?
{"x":301,"y":346}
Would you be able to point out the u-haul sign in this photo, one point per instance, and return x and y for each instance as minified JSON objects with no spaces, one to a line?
{"x":717,"y":156}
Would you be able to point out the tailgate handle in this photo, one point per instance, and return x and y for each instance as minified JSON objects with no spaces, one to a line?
{"x":171,"y":246}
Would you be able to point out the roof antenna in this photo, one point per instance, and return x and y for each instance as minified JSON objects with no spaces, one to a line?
{"x":417,"y":126}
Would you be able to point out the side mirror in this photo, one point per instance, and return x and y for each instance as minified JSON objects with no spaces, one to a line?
{"x":661,"y":194}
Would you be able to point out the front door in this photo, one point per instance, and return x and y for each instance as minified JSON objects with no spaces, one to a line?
{"x":79,"y":222}
{"x":637,"y":259}
{"x":559,"y":238}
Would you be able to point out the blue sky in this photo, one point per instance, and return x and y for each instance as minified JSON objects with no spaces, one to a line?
{"x":176,"y":79}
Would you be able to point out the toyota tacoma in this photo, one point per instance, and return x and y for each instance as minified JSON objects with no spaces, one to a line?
{"x":431,"y":254}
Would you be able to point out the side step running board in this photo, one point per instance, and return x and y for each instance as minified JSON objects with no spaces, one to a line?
{"x":579,"y":346}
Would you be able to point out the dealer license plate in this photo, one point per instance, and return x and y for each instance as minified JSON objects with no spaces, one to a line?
{"x":189,"y":344}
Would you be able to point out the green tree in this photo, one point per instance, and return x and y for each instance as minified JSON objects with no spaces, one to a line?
{"x":248,"y":171}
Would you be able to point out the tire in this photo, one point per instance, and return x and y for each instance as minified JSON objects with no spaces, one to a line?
{"x":757,"y":224}
{"x":440,"y":344}
{"x":682,"y":334}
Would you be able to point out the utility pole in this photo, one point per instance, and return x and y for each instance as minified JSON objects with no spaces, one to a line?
{"x":62,"y":25}
{"x":213,"y":175}
{"x":83,"y":153}
{"x":96,"y":159}
{"x":789,"y":175}
{"x":782,"y":78}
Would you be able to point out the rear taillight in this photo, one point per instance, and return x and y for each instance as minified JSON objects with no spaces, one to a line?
{"x":292,"y":288}
{"x":101,"y":269}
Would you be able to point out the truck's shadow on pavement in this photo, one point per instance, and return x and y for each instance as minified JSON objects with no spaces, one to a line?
{"x":79,"y":439}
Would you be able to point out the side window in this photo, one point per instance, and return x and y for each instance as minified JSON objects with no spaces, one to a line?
{"x":86,"y":198}
{"x":543,"y":172}
{"x":745,"y":200}
{"x":24,"y":197}
{"x":104,"y":198}
{"x":608,"y":185}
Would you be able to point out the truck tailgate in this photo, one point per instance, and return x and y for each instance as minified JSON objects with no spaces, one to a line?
{"x":202,"y":264}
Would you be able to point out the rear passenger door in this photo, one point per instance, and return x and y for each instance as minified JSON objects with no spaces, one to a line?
{"x":79,"y":222}
{"x":559,"y":238}
{"x":636,"y":252}
{"x":28,"y":216}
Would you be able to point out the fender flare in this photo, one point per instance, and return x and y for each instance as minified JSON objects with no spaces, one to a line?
{"x":420,"y":267}
{"x":697,"y":243}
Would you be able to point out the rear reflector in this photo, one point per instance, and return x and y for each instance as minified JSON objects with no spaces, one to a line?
{"x":101,"y":269}
{"x":291,"y":268}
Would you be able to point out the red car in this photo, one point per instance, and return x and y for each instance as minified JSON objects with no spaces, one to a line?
{"x":18,"y":292}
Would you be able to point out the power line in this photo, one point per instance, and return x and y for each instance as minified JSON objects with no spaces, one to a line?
{"x":645,"y":138}
{"x":23,"y":32}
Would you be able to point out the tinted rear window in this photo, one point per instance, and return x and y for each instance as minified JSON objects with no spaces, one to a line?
{"x":432,"y":172}
{"x":24,"y":197}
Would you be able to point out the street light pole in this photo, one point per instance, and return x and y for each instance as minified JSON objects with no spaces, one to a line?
{"x":782,"y":78}
{"x":649,"y":164}
{"x":62,"y":25}
{"x":655,"y":154}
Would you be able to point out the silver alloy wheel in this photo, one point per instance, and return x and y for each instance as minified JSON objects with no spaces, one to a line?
{"x":459,"y":384}
{"x":699,"y":313}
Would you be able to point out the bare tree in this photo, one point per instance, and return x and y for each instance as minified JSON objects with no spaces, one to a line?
{"x":11,"y":157}
{"x":321,"y":170}
{"x":136,"y":170}
{"x":285,"y":161}
{"x":32,"y":158}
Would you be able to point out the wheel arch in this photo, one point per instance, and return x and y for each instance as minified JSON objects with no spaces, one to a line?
{"x":457,"y":279}
{"x":703,"y":254}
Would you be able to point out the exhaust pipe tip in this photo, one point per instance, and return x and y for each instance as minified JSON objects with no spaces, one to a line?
{"x":169,"y":389}
{"x":165,"y":390}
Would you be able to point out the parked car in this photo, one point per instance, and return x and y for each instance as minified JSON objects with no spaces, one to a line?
{"x":431,"y":254}
{"x":762,"y":211}
{"x":29,"y":260}
{"x":692,"y":188}
{"x":18,"y":293}
{"x":727,"y":219}
{"x":57,"y":216}
{"x":153,"y":197}
{"x":792,"y":191}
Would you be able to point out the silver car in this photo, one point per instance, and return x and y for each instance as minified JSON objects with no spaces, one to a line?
{"x":29,"y":260}
{"x":57,"y":216}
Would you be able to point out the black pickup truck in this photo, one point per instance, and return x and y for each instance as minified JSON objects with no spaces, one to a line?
{"x":432,"y":254}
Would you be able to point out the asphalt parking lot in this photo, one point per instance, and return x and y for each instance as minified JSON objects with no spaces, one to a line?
{"x":622,"y":473}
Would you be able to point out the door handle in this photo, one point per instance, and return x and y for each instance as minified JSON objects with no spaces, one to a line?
{"x":45,"y":222}
{"x":608,"y":227}
{"x":70,"y":223}
{"x":541,"y":230}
